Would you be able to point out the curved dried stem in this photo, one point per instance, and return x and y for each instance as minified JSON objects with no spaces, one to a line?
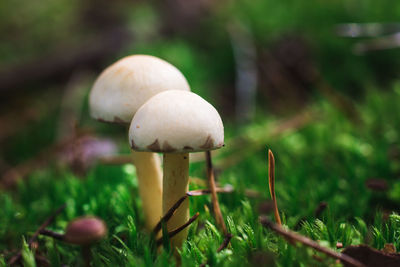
{"x":179,"y":229}
{"x":271,"y":182}
{"x":292,"y":237}
{"x":214,"y":197}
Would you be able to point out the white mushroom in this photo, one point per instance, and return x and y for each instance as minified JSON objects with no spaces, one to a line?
{"x":127,"y":84}
{"x":176,"y":123}
{"x":117,"y":94}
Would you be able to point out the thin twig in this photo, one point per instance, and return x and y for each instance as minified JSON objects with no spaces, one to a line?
{"x":271,"y":182}
{"x":217,"y":211}
{"x":52,"y":234}
{"x":225,"y":243}
{"x":214,"y":197}
{"x":179,"y":229}
{"x":47,"y":222}
{"x":223,"y":246}
{"x":168,"y":215}
{"x":201,"y":192}
{"x":290,"y":235}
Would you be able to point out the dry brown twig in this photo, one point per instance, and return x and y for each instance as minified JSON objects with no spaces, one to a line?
{"x":213,"y":191}
{"x":217,"y":211}
{"x":225,"y":243}
{"x":223,"y":246}
{"x":179,"y":229}
{"x":47,"y":222}
{"x":293,"y":236}
{"x":168,"y":215}
{"x":214,"y":197}
{"x":177,"y":204}
{"x":271,"y":182}
{"x":201,"y":192}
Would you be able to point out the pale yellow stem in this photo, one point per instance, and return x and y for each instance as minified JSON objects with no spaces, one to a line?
{"x":149,"y":174}
{"x":175,"y":185}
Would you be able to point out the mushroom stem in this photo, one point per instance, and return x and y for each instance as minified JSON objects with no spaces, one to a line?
{"x":87,"y":255}
{"x":148,"y":169}
{"x":175,"y":185}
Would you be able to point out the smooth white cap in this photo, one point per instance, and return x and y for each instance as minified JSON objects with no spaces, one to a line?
{"x":123,"y":87}
{"x":174,"y":122}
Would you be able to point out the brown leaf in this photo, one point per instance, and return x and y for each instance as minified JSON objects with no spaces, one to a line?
{"x":377,"y":184}
{"x":389,"y":248}
{"x":372,"y":257}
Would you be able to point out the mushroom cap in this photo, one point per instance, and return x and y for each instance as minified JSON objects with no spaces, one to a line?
{"x":85,"y":230}
{"x":176,"y":122}
{"x":127,"y":84}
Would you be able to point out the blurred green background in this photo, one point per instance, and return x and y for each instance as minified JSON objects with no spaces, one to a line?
{"x":315,"y":81}
{"x":249,"y":58}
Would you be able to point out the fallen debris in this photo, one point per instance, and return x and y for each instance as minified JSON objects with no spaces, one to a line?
{"x":179,"y":229}
{"x":271,"y":182}
{"x":371,"y":257}
{"x":168,"y":215}
{"x":214,"y":197}
{"x":47,"y":222}
{"x":292,"y":237}
{"x":201,"y":192}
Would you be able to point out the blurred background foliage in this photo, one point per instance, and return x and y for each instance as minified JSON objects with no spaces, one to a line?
{"x":280,"y":74}
{"x":196,"y":36}
{"x":290,"y":53}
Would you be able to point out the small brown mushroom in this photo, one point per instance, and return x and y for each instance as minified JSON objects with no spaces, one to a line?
{"x":82,"y":231}
{"x":85,"y":231}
